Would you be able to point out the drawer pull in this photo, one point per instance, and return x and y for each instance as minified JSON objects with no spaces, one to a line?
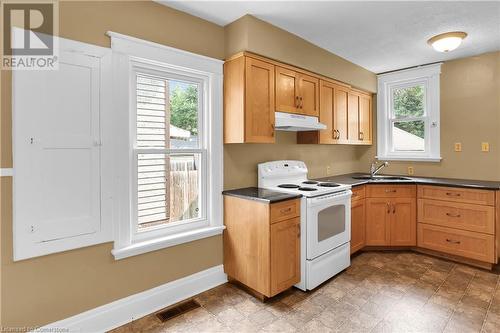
{"x":452,"y":241}
{"x":452,"y":215}
{"x":287,"y":210}
{"x":391,"y":191}
{"x":453,"y":194}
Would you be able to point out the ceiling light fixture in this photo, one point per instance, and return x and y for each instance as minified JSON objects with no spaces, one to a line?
{"x":448,"y":41}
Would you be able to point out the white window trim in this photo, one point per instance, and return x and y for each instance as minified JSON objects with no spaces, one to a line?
{"x":429,"y":77}
{"x":130,"y":53}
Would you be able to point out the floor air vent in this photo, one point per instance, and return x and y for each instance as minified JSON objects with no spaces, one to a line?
{"x":177,"y":310}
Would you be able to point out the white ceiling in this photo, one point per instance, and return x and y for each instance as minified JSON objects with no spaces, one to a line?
{"x":379,"y":36}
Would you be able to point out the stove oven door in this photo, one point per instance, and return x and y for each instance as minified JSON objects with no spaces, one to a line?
{"x":328,"y":223}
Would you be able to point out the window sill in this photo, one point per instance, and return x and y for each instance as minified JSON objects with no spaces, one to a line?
{"x":409,"y":159}
{"x":167,"y":241}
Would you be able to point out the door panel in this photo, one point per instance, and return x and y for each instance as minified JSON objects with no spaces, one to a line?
{"x":353,"y":117}
{"x":58,"y":154}
{"x":286,"y":90}
{"x":403,"y":222}
{"x":326,"y":110}
{"x":308,"y":95}
{"x":377,"y":226}
{"x":259,"y":101}
{"x":365,"y":122}
{"x":340,"y":120}
{"x":358,"y":225}
{"x":285,"y":255}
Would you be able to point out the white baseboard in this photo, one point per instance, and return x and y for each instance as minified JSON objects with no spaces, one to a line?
{"x":122,"y":311}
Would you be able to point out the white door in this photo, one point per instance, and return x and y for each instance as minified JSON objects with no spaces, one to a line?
{"x":328,"y":223}
{"x":57,"y":149}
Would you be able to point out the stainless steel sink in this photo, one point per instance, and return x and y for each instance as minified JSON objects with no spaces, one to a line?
{"x":375,"y":178}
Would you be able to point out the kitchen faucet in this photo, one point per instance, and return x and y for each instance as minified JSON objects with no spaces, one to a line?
{"x":374,"y":168}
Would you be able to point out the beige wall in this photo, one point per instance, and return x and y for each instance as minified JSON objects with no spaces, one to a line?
{"x":240,"y":160}
{"x":470,"y":114}
{"x":251,"y":34}
{"x":42,"y":290}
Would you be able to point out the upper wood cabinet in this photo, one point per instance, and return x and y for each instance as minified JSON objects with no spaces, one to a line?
{"x":255,"y":87}
{"x":248,"y":101}
{"x":296,"y":92}
{"x":359,"y":117}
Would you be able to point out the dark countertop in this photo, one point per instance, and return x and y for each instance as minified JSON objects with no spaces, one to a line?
{"x":260,"y":194}
{"x":452,"y":182}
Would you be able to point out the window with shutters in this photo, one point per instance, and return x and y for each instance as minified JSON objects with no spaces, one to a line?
{"x":168,"y":109}
{"x":169,"y":154}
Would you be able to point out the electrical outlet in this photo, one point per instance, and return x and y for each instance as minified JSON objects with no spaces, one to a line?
{"x":485,"y":146}
{"x":458,"y":146}
{"x":410,"y":171}
{"x":328,"y":170}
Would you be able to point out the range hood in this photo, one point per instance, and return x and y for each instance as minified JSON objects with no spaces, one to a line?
{"x":296,"y":122}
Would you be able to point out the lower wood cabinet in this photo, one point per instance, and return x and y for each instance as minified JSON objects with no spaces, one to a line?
{"x":391,"y":217}
{"x":473,"y":245}
{"x":262,"y":244}
{"x":358,"y":225}
{"x":285,"y":254}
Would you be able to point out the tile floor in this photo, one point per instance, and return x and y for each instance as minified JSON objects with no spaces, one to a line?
{"x":380,"y":292}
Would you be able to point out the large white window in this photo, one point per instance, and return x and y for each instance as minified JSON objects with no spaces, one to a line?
{"x":169,"y":111}
{"x":408,"y":115}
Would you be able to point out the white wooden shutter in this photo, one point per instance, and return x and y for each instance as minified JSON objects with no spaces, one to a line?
{"x":57,"y":190}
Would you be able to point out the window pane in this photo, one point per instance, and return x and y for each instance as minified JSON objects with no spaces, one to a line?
{"x":408,"y":136}
{"x":168,"y":188}
{"x":167,"y":113}
{"x":408,"y":102}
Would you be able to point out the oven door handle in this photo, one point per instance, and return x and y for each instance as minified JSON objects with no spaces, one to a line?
{"x":330,"y":198}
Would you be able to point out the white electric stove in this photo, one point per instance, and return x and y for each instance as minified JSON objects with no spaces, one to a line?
{"x":325,"y":219}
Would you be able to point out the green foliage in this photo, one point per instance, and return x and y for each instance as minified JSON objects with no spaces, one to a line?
{"x":409,"y":102}
{"x":184,"y":108}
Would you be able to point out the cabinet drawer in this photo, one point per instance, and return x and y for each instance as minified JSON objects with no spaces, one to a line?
{"x":457,"y":215}
{"x":285,"y":210}
{"x":467,"y":244}
{"x":390,"y":191}
{"x":455,"y":194}
{"x":358,"y":193}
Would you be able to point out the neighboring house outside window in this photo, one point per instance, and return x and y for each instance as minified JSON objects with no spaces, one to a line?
{"x":170,"y":147}
{"x":408,"y":115}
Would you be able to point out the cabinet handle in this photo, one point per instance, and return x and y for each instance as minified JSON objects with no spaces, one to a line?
{"x":391,"y":191}
{"x":298,"y":230}
{"x":361,"y":136}
{"x":452,"y":215}
{"x":297,"y":104}
{"x":334,"y":134}
{"x":287,"y":210}
{"x":338,"y":134}
{"x":393,"y":208}
{"x":452,"y":241}
{"x":388,"y":208}
{"x":453,"y":194}
{"x":301,"y":103}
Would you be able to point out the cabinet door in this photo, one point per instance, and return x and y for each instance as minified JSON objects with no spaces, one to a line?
{"x":358,"y":225}
{"x":377,"y":226}
{"x":353,"y":117}
{"x":340,"y":115}
{"x":403,"y":221}
{"x":326,"y":110}
{"x":365,"y":119}
{"x":287,"y":85}
{"x":259,"y":101}
{"x":308,"y":95}
{"x":285,"y":255}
